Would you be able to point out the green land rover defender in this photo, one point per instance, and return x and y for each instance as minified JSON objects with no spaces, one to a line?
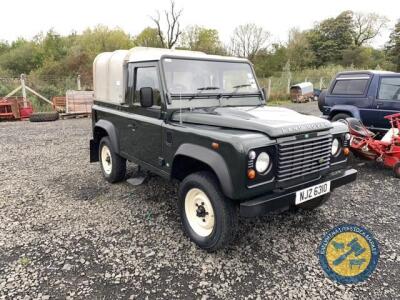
{"x":202,"y":120}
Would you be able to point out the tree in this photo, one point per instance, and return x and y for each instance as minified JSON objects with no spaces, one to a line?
{"x":198,"y":38}
{"x":298,"y":50}
{"x":23,"y":57}
{"x":359,"y":57}
{"x":52,"y":45}
{"x":330,"y":37}
{"x":149,"y":38}
{"x":170,"y":35}
{"x":101,"y":39}
{"x":247,"y":40}
{"x":366,"y":27}
{"x":393,"y":47}
{"x":267,"y":62}
{"x":4,"y":47}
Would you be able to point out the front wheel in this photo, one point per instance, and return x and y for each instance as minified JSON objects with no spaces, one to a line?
{"x":208,"y":218}
{"x":112,"y":165}
{"x":340,"y":117}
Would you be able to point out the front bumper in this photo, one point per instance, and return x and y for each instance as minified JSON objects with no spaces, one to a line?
{"x":284,"y":199}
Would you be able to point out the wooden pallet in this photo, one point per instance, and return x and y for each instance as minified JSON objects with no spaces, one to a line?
{"x":59,"y":103}
{"x":75,"y":115}
{"x":79,"y":102}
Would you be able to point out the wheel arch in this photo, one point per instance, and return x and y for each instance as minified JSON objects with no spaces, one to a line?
{"x":345,"y":109}
{"x":106,"y":128}
{"x":191,"y":158}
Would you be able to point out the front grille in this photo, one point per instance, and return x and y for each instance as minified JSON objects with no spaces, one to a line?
{"x":303,"y":157}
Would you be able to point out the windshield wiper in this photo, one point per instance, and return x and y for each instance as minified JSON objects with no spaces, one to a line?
{"x":208,"y":88}
{"x":241,"y":86}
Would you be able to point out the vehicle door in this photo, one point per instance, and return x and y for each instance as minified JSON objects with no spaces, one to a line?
{"x":352,"y":89}
{"x":388,"y":98}
{"x":145,"y":124}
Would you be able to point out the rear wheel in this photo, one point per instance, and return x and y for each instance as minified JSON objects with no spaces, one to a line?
{"x":208,"y":218}
{"x":112,"y":165}
{"x":340,"y":117}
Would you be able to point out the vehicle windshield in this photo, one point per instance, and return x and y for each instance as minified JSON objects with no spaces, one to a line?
{"x":201,"y":77}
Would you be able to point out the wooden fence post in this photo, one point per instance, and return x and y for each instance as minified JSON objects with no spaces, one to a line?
{"x":288,"y":86}
{"x":78,"y":82}
{"x":269,"y":88}
{"x":23,"y":90}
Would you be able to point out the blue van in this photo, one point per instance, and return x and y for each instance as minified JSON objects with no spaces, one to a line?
{"x":365,"y":95}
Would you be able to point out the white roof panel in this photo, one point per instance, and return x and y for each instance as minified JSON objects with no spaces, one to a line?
{"x":139,"y":54}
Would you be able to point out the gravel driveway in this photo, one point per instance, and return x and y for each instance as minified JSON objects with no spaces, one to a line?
{"x":67,"y":233}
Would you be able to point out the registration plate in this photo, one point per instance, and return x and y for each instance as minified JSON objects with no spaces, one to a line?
{"x":313,"y":192}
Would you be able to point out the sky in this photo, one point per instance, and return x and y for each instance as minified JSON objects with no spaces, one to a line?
{"x":26,"y":18}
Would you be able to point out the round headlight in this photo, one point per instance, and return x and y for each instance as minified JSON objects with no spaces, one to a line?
{"x":262,"y":162}
{"x":335,"y":147}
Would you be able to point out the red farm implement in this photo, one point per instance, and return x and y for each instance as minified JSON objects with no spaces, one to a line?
{"x":385,"y":151}
{"x":14,"y":108}
{"x":19,"y":108}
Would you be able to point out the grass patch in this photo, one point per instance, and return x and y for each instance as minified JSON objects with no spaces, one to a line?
{"x":24,"y":261}
{"x":278,"y":102}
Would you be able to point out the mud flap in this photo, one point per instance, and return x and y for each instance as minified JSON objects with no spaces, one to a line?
{"x":94,"y":151}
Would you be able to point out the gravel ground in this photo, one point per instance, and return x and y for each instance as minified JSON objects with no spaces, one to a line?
{"x":309,"y":108}
{"x":66,"y":233}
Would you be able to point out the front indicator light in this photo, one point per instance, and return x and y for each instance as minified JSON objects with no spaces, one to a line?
{"x":346,"y":151}
{"x":251,"y":174}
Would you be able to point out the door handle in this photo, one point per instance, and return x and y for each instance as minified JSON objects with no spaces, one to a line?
{"x":378,"y":104}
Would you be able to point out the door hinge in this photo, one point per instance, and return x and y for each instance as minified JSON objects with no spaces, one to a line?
{"x":161,"y":161}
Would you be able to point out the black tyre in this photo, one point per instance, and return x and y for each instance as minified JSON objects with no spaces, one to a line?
{"x":340,"y":116}
{"x":44,"y":116}
{"x":208,"y":218}
{"x":313,"y":204}
{"x":112,"y":165}
{"x":321,"y":100}
{"x":396,"y":170}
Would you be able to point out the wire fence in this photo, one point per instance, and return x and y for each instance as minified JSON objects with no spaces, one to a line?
{"x":278,"y":86}
{"x":48,"y":86}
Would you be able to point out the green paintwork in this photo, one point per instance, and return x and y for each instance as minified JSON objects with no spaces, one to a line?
{"x":153,"y":136}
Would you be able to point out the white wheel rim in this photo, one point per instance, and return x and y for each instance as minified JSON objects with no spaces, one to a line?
{"x":106,"y":160}
{"x":199,"y":212}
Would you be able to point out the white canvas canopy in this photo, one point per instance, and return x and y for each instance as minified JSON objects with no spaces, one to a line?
{"x":110,"y":68}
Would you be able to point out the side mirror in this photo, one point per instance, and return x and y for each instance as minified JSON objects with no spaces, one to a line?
{"x":146,"y":97}
{"x":265,"y":93}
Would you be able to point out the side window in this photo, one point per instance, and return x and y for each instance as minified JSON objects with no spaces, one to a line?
{"x":147,"y":77}
{"x":350,"y":87}
{"x":389,"y":88}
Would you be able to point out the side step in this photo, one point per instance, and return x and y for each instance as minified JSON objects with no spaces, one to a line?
{"x":138,"y":178}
